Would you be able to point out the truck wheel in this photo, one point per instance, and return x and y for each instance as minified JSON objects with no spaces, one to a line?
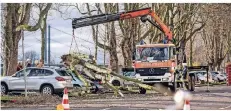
{"x":191,"y":83}
{"x":142,"y":90}
{"x":172,"y":87}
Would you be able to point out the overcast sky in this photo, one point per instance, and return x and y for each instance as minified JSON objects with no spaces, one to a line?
{"x":61,"y":40}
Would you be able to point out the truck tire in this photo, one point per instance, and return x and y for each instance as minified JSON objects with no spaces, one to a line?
{"x":172,"y":87}
{"x":142,"y":90}
{"x":191,"y":83}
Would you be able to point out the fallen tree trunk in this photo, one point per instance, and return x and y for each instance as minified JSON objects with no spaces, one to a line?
{"x":72,"y":60}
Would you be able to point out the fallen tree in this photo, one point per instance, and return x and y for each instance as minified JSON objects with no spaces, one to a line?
{"x":76,"y":62}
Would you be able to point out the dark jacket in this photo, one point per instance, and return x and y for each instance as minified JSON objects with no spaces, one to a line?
{"x":28,"y":65}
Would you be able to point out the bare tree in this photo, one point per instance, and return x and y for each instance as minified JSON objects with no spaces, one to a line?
{"x":110,"y":31}
{"x":17,"y":19}
{"x":32,"y":55}
{"x":217,"y":34}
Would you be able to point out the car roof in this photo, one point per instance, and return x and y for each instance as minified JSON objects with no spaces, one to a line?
{"x":47,"y":67}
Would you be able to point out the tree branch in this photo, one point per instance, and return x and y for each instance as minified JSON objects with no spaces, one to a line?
{"x":198,"y":29}
{"x":36,"y":27}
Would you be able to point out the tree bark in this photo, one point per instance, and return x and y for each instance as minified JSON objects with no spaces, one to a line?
{"x":11,"y":39}
{"x":17,"y":18}
{"x":43,"y":28}
{"x":191,"y":53}
{"x":113,"y":54}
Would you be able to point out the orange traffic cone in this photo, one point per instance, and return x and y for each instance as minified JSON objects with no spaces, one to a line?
{"x":65,"y":101}
{"x":186,"y":105}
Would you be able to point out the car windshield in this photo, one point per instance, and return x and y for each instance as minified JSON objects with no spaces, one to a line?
{"x":200,"y":75}
{"x":214,"y":72}
{"x":129,"y":73}
{"x":152,"y":53}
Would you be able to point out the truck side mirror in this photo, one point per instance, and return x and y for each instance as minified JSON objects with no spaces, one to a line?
{"x":174,"y":51}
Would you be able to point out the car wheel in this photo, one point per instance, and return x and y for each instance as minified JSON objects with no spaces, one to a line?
{"x":4,"y":89}
{"x":96,"y":89}
{"x":219,"y":80}
{"x":76,"y":87}
{"x":47,"y":89}
{"x":142,"y":90}
{"x":116,"y":83}
{"x":201,"y":82}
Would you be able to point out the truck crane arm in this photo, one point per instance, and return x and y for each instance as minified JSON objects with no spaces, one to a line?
{"x":142,"y":13}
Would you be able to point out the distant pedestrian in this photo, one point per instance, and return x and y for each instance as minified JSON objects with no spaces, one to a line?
{"x":36,"y":62}
{"x":41,"y":64}
{"x":28,"y":63}
{"x":19,"y":66}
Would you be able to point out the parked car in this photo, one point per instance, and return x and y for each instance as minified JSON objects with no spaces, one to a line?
{"x":225,"y":75}
{"x":204,"y":73}
{"x":128,"y":72}
{"x":44,"y":80}
{"x":200,"y":79}
{"x":95,"y":85}
{"x":218,"y":76}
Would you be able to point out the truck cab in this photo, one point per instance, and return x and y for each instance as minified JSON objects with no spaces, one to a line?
{"x":155,"y":63}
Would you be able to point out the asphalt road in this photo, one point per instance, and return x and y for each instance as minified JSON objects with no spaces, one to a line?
{"x":219,"y":98}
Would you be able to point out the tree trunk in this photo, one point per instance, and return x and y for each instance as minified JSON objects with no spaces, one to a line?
{"x":96,"y":43}
{"x":182,"y":56}
{"x":113,"y":53}
{"x":43,"y":28}
{"x":191,"y":52}
{"x":11,"y":39}
{"x":17,"y":19}
{"x":42,"y":44}
{"x":218,"y":66}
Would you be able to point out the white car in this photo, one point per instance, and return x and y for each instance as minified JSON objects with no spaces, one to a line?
{"x":115,"y":81}
{"x":218,"y":76}
{"x":204,"y":73}
{"x":43,"y":80}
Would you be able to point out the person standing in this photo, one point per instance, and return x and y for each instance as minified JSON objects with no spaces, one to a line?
{"x":19,"y":66}
{"x":28,"y":63}
{"x":36,"y":62}
{"x":41,"y":64}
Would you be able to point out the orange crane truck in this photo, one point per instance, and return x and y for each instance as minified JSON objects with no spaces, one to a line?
{"x":154,"y":63}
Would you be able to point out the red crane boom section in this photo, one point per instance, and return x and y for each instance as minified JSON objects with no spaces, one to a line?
{"x":144,"y":12}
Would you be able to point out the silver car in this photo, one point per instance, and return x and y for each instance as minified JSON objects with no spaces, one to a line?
{"x":43,"y":80}
{"x":218,"y":76}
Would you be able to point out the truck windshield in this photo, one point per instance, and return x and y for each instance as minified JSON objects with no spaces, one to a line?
{"x":152,"y":53}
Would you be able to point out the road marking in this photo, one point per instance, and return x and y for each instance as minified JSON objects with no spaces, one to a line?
{"x":225,"y":107}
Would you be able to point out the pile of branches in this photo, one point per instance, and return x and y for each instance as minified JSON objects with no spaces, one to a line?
{"x":78,"y":62}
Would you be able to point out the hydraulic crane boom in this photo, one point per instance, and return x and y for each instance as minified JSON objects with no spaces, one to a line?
{"x":143,"y":13}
